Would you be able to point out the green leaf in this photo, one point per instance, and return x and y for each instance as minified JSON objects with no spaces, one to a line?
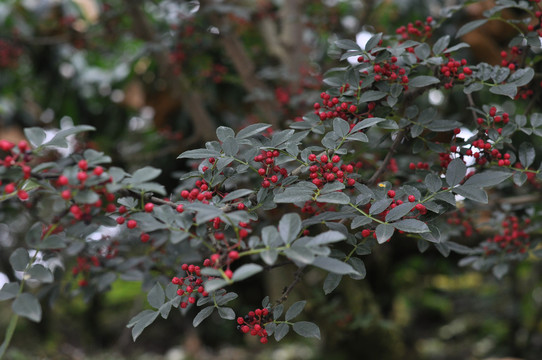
{"x":331,"y":282}
{"x":26,"y":305}
{"x":500,"y":270}
{"x":443,"y":125}
{"x":327,"y":237}
{"x":245,"y":271}
{"x":519,"y":178}
{"x":86,"y":196}
{"x":456,"y":47}
{"x":156,"y":296}
{"x":9,"y":291}
{"x":141,"y":321}
{"x":456,"y":172}
{"x":252,"y":130}
{"x":433,"y":182}
{"x":341,"y":127}
{"x":521,"y":77}
{"x":60,"y":137}
{"x":380,"y":205}
{"x":359,"y":266}
{"x":294,"y":195}
{"x":145,"y":174}
{"x":411,"y":226}
{"x":295,"y":310}
{"x":441,"y":44}
{"x":360,"y":221}
{"x":372,"y":95}
{"x":509,"y":90}
{"x":202,"y":315}
{"x":237,"y":194}
{"x":199,"y":154}
{"x":422,"y":51}
{"x":488,"y":178}
{"x":334,"y":198}
{"x":399,"y":211}
{"x":526,"y":154}
{"x":281,"y":331}
{"x":223,"y":132}
{"x":468,"y":27}
{"x":373,"y":42}
{"x":214,"y":284}
{"x":423,"y":80}
{"x":230,"y":146}
{"x":472,"y":192}
{"x":227,"y":297}
{"x":289,"y":227}
{"x":19,"y":259}
{"x":277,"y":311}
{"x":40,"y":273}
{"x":384,"y":232}
{"x":226,"y":313}
{"x":333,"y":265}
{"x":307,"y":329}
{"x":35,"y":135}
{"x":366,"y":123}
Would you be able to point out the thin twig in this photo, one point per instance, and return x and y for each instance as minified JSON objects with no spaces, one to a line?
{"x":391,"y":152}
{"x":297,"y":278}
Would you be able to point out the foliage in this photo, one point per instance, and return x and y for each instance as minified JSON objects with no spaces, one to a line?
{"x":375,"y":163}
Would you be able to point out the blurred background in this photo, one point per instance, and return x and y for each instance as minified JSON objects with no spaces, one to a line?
{"x":156,"y":78}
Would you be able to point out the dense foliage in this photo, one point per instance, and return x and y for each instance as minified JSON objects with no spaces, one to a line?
{"x":377,"y":162}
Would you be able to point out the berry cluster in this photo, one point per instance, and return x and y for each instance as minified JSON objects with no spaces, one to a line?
{"x":190,"y":285}
{"x":9,"y":54}
{"x":254,"y":323}
{"x":16,"y":157}
{"x":387,"y":70}
{"x":200,"y":192}
{"x":332,"y":107}
{"x":83,"y":267}
{"x":268,"y":170}
{"x":417,"y":30}
{"x":325,"y":170}
{"x":460,"y":221}
{"x":454,"y":69}
{"x":512,"y":238}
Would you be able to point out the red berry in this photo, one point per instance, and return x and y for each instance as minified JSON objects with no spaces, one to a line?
{"x":66,"y":194}
{"x":228,"y":273}
{"x":120,"y":220}
{"x":23,"y":195}
{"x":365,"y":232}
{"x":62,"y":180}
{"x":324,"y":158}
{"x":82,"y":176}
{"x":83,"y":165}
{"x":98,"y":170}
{"x":9,"y":188}
{"x":145,"y":237}
{"x":234,"y":255}
{"x":180,"y":208}
{"x":411,"y":198}
{"x":149,"y":207}
{"x":391,"y":193}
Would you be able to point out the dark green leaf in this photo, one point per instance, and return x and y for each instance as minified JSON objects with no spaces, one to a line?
{"x":334,"y":198}
{"x":252,"y":130}
{"x":223,"y":132}
{"x":500,"y":270}
{"x":9,"y":291}
{"x":468,"y":27}
{"x":156,"y":296}
{"x":411,"y":226}
{"x":366,"y":123}
{"x":214,"y":284}
{"x":202,"y":315}
{"x":509,"y":90}
{"x":331,"y":282}
{"x":19,"y":259}
{"x":230,"y":146}
{"x":423,"y":80}
{"x":289,"y":227}
{"x":295,"y":310}
{"x":373,"y":41}
{"x":26,"y":305}
{"x":245,"y":271}
{"x":239,"y":193}
{"x":199,"y":154}
{"x":145,"y":174}
{"x":441,"y":44}
{"x":35,"y":135}
{"x":472,"y":192}
{"x":360,"y":221}
{"x":333,"y":265}
{"x":359,"y":266}
{"x":226,"y":313}
{"x":372,"y":95}
{"x":456,"y":172}
{"x":433,"y":182}
{"x":488,"y":178}
{"x":60,"y":137}
{"x":380,"y":205}
{"x":384,"y":232}
{"x":40,"y":273}
{"x":307,"y":329}
{"x":281,"y":331}
{"x":399,"y":211}
{"x":526,"y":154}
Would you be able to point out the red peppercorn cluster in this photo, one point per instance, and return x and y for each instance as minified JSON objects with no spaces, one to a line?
{"x":83,"y":267}
{"x":420,"y":165}
{"x":332,"y":107}
{"x":459,"y":220}
{"x":454,"y":69}
{"x":513,"y":238}
{"x":254,"y":323}
{"x":190,"y":285}
{"x":325,"y":170}
{"x":9,"y":54}
{"x":200,"y":192}
{"x":386,"y":70}
{"x":16,"y":157}
{"x":270,"y":172}
{"x":416,"y":30}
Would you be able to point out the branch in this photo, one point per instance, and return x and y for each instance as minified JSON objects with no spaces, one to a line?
{"x":297,"y":278}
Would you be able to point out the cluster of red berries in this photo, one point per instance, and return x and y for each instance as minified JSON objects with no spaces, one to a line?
{"x":268,"y":170}
{"x":17,"y":156}
{"x":458,"y":218}
{"x":9,"y":54}
{"x":333,"y":107}
{"x":420,"y":165}
{"x":254,"y":323}
{"x":418,"y":29}
{"x":190,"y":285}
{"x":325,"y":170}
{"x":512,"y":239}
{"x":83,"y":267}
{"x":454,"y":69}
{"x":200,"y":192}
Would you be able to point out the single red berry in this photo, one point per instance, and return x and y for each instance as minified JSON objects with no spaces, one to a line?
{"x":9,"y":188}
{"x":23,"y":195}
{"x":120,"y":220}
{"x":66,"y":194}
{"x":98,"y":170}
{"x":180,"y":208}
{"x":312,"y":157}
{"x":234,"y":255}
{"x":149,"y":207}
{"x":241,"y":206}
{"x":336,"y":158}
{"x":228,"y":273}
{"x":411,"y":198}
{"x":145,"y":237}
{"x":391,"y":193}
{"x":62,"y":180}
{"x":420,"y":207}
{"x":365,"y":232}
{"x":324,"y":158}
{"x":83,"y":164}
